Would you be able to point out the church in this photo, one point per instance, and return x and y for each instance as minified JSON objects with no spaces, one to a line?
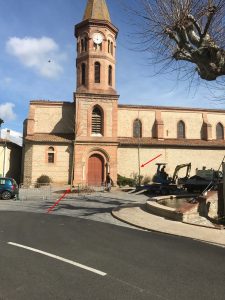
{"x":79,"y":142}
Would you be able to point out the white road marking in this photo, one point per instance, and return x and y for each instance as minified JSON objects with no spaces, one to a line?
{"x":60,"y":258}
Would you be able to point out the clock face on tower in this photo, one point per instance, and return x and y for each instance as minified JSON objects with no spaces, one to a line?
{"x":97,"y":38}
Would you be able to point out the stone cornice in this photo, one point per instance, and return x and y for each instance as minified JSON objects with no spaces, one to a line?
{"x":84,"y":57}
{"x":96,"y":23}
{"x":50,"y":102}
{"x":168,"y":108}
{"x":94,"y":96}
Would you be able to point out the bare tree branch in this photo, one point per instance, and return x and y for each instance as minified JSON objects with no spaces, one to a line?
{"x":183,"y":30}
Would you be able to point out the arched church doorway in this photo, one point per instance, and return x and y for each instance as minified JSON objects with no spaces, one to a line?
{"x":95,"y":170}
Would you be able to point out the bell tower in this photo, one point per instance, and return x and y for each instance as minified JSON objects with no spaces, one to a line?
{"x":95,"y":99}
{"x":96,"y":50}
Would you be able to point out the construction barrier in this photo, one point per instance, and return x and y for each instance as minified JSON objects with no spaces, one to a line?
{"x":49,"y":192}
{"x":38,"y":192}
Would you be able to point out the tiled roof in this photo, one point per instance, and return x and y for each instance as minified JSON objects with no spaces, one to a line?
{"x":57,"y":137}
{"x":97,"y":10}
{"x":129,"y":141}
{"x":171,"y":142}
{"x":170,"y":108}
{"x":4,"y":141}
{"x":42,"y":101}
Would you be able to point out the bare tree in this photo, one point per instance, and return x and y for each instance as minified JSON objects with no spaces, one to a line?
{"x":190,"y":31}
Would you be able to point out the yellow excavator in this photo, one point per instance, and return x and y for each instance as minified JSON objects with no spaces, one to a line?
{"x":162,"y":177}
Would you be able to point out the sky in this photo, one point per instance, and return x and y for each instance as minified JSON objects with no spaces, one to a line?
{"x":34,"y":32}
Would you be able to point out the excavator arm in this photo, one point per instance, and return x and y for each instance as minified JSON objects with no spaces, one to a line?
{"x":178,"y":168}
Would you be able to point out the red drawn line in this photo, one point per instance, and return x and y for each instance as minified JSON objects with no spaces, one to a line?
{"x":57,"y":202}
{"x":143,"y":165}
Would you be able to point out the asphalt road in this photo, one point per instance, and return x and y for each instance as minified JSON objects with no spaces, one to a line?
{"x":138,"y":264}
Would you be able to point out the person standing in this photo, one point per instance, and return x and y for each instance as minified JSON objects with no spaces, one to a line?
{"x":109,"y":182}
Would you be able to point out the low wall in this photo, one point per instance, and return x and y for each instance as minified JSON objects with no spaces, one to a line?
{"x":185,"y":213}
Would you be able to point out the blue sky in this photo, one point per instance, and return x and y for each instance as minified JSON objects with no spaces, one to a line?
{"x":32,"y":32}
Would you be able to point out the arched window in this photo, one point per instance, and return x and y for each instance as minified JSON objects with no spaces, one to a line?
{"x":97,"y":121}
{"x":82,"y":45}
{"x":108,"y":46}
{"x":110,"y":75}
{"x":112,"y":48}
{"x":85,"y":44}
{"x":83,"y":74}
{"x":137,"y":129}
{"x":219,"y":132}
{"x":51,"y":155}
{"x":97,"y":72}
{"x":180,"y":130}
{"x":97,"y":47}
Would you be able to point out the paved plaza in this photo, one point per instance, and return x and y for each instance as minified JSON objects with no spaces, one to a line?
{"x":94,"y":206}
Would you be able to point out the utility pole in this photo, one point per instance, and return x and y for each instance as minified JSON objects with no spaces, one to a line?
{"x":139,"y":162}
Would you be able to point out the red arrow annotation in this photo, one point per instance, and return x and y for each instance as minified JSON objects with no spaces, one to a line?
{"x":60,"y":199}
{"x":143,"y":165}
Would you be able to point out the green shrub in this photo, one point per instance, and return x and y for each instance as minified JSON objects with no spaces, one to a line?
{"x":43,"y":180}
{"x":137,"y":179}
{"x":146,"y":180}
{"x":122,"y":181}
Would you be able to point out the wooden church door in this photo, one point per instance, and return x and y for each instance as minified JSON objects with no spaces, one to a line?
{"x":95,"y":170}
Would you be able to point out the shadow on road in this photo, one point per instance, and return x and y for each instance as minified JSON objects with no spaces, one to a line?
{"x":83,"y":211}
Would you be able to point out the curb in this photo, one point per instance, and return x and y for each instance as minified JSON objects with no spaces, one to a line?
{"x":158,"y":230}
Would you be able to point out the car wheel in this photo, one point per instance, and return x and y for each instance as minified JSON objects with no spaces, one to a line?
{"x":6,"y":195}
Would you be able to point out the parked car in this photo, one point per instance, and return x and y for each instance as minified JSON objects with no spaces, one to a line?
{"x":8,"y":188}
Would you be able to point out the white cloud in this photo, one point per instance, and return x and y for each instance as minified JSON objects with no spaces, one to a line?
{"x":6,"y":80}
{"x":6,"y":111}
{"x":36,"y":53}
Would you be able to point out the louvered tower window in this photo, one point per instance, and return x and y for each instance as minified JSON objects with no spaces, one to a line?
{"x":97,"y":121}
{"x":219,"y":132}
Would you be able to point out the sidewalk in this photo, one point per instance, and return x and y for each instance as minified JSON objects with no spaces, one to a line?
{"x":135,"y":214}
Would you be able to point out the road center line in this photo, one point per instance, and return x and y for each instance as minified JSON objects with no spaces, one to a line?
{"x":60,"y":258}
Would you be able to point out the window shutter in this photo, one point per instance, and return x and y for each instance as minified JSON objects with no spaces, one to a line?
{"x":97,"y":121}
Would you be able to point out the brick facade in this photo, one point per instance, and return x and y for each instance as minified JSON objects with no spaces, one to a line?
{"x":68,"y":126}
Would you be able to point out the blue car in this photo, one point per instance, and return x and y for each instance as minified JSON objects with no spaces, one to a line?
{"x":8,"y":188}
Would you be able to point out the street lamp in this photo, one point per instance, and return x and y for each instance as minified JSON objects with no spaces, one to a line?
{"x":1,"y":122}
